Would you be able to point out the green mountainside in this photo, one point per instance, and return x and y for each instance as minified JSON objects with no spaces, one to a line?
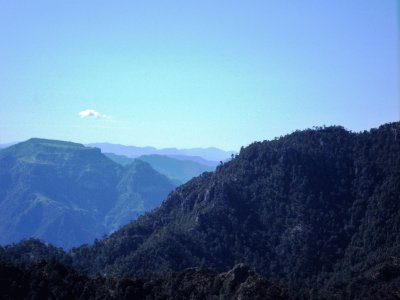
{"x":316,"y":208}
{"x":68,"y":194}
{"x":317,"y":211}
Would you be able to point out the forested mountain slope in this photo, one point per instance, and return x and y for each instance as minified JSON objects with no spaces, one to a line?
{"x":317,"y":210}
{"x":313,"y":208}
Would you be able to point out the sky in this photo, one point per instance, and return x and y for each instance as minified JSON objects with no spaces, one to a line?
{"x":195,"y":73}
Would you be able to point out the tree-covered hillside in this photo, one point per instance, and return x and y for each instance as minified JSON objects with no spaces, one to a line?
{"x":53,"y":280}
{"x":317,"y":210}
{"x":312,"y":208}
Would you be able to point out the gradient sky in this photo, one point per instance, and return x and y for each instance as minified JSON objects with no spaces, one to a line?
{"x":195,"y":73}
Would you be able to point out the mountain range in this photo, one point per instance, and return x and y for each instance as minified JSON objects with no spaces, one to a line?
{"x":206,"y":156}
{"x":316,"y":212}
{"x":179,"y":170}
{"x":68,"y":194}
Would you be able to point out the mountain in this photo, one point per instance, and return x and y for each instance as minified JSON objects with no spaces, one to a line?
{"x":3,"y":146}
{"x":130,"y":151}
{"x":120,"y":159}
{"x":53,"y":280}
{"x":178,"y":170}
{"x":125,"y":160}
{"x":68,"y":194}
{"x":196,"y":159}
{"x":318,"y":208}
{"x":140,"y":189}
{"x":209,"y":154}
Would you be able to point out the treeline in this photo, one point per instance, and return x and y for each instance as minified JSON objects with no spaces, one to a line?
{"x":53,"y":280}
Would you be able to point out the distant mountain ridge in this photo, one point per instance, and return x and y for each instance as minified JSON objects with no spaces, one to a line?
{"x":69,"y":194}
{"x":179,"y":170}
{"x":198,"y":159}
{"x":210,"y":154}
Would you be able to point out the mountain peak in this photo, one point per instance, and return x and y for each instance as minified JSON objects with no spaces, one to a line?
{"x":68,"y":194}
{"x":289,"y":207}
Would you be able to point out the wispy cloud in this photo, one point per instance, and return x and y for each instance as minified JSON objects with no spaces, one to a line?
{"x":91,"y":113}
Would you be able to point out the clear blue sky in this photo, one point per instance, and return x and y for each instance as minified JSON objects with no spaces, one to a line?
{"x":195,"y":73}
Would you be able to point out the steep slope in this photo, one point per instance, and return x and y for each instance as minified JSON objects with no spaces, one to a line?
{"x":309,"y":208}
{"x":120,"y":159}
{"x":140,"y":189}
{"x":179,"y":170}
{"x":60,"y":192}
{"x":55,"y":190}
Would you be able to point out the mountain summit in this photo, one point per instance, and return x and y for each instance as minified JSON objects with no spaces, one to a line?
{"x":69,"y":194}
{"x":315,"y":208}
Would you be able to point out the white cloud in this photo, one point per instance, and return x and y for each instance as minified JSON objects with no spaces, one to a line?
{"x":91,"y":113}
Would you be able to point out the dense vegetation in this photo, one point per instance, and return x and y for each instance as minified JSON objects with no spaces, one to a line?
{"x":317,"y":209}
{"x":68,"y":194}
{"x":53,"y":280}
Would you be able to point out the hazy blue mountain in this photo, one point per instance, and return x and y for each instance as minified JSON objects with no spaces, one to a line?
{"x":178,"y":170}
{"x":140,"y":189}
{"x":3,"y":146}
{"x":210,"y":154}
{"x":120,"y":159}
{"x":130,"y":151}
{"x":197,"y":159}
{"x":69,"y":194}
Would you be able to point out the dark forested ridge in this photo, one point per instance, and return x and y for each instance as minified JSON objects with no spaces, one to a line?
{"x":68,"y":194}
{"x":54,"y":280}
{"x":316,"y":209}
